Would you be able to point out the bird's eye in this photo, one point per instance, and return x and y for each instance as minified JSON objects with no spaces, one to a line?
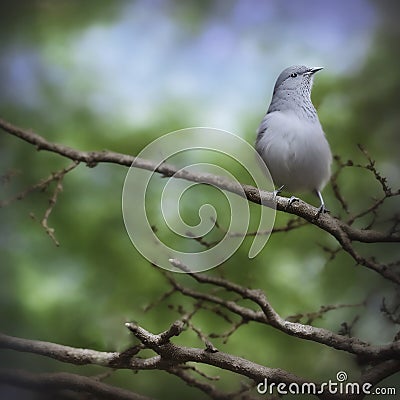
{"x":293,"y":75}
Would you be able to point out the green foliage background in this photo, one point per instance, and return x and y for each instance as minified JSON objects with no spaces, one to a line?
{"x":81,"y":293}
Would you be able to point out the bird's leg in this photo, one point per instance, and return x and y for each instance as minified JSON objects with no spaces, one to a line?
{"x":322,"y":209}
{"x":277,"y":191}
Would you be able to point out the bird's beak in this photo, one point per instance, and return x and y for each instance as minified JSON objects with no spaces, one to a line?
{"x":312,"y":71}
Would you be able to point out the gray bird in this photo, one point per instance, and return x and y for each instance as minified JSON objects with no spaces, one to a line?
{"x":290,"y":138}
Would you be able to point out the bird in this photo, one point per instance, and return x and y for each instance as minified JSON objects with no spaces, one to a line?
{"x":290,"y":138}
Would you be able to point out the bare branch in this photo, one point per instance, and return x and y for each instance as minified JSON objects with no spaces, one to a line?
{"x":62,"y":381}
{"x":270,"y":317}
{"x":207,"y":388}
{"x":42,"y":185}
{"x":335,"y":186}
{"x":380,"y":371}
{"x":169,"y":355}
{"x":371,"y":166}
{"x":154,"y":341}
{"x":175,"y":355}
{"x":59,"y":352}
{"x":343,"y":232}
{"x":312,"y":316}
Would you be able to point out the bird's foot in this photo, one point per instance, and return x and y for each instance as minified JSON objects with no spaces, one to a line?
{"x":322,"y":210}
{"x":292,"y":199}
{"x":277,"y":191}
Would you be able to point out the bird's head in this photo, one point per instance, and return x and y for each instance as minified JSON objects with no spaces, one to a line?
{"x":297,"y":77}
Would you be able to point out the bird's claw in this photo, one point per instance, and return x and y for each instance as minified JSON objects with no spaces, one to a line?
{"x":322,"y":210}
{"x":292,"y":200}
{"x":277,"y":191}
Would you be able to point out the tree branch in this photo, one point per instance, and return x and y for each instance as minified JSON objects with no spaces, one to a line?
{"x":173,"y":358}
{"x":176,"y":355}
{"x":59,"y":352}
{"x":343,"y":232}
{"x":269,"y":316}
{"x":169,"y":355}
{"x":380,"y":371}
{"x":65,"y":381}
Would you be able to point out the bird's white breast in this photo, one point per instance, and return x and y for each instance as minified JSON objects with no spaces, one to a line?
{"x":295,"y":151}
